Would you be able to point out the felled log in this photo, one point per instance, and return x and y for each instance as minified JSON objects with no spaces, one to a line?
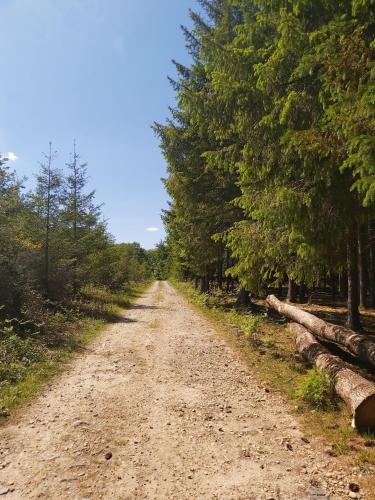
{"x":356,"y":344}
{"x":356,"y":391}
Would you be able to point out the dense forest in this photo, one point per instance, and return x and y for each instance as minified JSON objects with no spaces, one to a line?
{"x":271,"y":150}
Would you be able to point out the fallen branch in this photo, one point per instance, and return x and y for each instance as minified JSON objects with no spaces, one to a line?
{"x":356,"y":391}
{"x":355,"y":343}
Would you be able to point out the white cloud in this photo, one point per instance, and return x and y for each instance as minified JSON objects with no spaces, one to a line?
{"x":152,"y":229}
{"x":11,"y":156}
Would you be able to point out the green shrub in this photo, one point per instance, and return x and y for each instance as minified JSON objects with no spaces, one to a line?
{"x":248,"y":323}
{"x":316,"y":389}
{"x":16,"y":354}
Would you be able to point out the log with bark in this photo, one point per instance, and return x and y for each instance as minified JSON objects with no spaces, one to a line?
{"x":356,"y":344}
{"x":356,"y":391}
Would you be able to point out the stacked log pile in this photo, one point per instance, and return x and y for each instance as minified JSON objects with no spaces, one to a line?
{"x":354,"y":389}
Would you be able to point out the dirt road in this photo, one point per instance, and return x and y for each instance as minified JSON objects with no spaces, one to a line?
{"x":160,"y":407}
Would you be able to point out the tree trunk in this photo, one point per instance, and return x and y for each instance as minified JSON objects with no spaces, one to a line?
{"x":243,"y":298}
{"x":356,"y":344}
{"x":291,"y":290}
{"x":356,"y":391}
{"x":220,"y":275}
{"x":333,"y":283}
{"x":353,"y":318}
{"x":362,"y":268}
{"x":303,"y":293}
{"x":343,"y":284}
{"x":204,"y":284}
{"x":371,"y":267}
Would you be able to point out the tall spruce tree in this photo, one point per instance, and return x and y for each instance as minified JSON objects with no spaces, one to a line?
{"x":47,"y":204}
{"x":84,"y":231}
{"x":278,"y":102}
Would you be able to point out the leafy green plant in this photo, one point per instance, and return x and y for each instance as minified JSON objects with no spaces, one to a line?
{"x":248,"y":323}
{"x":316,"y":389}
{"x":16,"y":354}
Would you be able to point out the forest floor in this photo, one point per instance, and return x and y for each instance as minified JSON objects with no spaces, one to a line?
{"x":161,"y":406}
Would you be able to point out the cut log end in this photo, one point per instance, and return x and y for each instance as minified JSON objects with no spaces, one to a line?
{"x":355,"y":390}
{"x":364,"y":415}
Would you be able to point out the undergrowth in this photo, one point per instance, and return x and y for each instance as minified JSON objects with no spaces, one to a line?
{"x":248,"y":323}
{"x":316,"y":389}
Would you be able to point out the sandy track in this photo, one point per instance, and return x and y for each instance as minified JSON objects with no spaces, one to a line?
{"x":178,"y":411}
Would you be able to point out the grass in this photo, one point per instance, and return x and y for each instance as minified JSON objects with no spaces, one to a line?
{"x":268,"y":348}
{"x":97,"y":309}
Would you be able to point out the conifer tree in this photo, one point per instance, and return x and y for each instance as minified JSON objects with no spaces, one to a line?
{"x":277,"y":105}
{"x":46,"y":201}
{"x":12,"y":206}
{"x":84,"y":231}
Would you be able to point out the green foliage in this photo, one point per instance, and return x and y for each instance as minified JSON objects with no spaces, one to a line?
{"x":19,"y":348}
{"x":270,"y":150}
{"x":316,"y":389}
{"x":54,"y":242}
{"x":159,"y":261}
{"x":119,"y":264}
{"x":248,"y":323}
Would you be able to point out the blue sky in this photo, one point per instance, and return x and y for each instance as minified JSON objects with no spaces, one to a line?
{"x":94,"y":70}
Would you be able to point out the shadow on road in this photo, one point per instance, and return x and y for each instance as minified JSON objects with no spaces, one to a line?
{"x":143,"y":307}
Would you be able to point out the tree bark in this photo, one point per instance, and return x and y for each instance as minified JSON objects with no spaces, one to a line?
{"x":303,"y":291}
{"x":356,"y":391}
{"x":291,"y":290}
{"x":353,"y":318}
{"x":356,"y":344}
{"x":243,"y":298}
{"x":343,"y":290}
{"x":220,"y":274}
{"x":362,"y":267}
{"x":371,"y":266}
{"x":333,"y":283}
{"x":204,"y":284}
